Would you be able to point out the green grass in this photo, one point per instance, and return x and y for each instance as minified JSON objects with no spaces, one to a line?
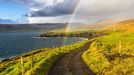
{"x":106,"y":57}
{"x":37,"y":62}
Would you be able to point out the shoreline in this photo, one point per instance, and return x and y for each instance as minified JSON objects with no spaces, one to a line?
{"x":16,"y":56}
{"x":83,"y":38}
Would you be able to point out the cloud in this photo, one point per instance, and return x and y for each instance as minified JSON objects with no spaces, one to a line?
{"x":64,"y":7}
{"x":56,"y":19}
{"x":87,"y":10}
{"x":93,"y":10}
{"x":41,"y":8}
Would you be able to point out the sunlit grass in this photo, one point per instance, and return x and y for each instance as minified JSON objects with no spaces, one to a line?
{"x":105,"y":57}
{"x":37,"y":62}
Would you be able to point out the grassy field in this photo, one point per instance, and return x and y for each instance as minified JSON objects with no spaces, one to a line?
{"x":37,"y":62}
{"x":112,"y":54}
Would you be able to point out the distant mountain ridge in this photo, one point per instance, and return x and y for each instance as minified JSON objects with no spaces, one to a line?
{"x":95,"y":26}
{"x":31,"y":27}
{"x":7,"y":21}
{"x":108,"y":24}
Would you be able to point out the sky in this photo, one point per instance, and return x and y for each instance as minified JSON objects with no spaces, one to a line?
{"x":55,"y":11}
{"x":12,"y":11}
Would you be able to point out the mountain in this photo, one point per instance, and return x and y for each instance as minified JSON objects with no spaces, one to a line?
{"x":31,"y":27}
{"x":127,"y":25}
{"x":99,"y":25}
{"x":95,"y":26}
{"x":103,"y":23}
{"x":7,"y":21}
{"x":107,"y":24}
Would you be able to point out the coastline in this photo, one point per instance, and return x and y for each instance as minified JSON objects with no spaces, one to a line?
{"x":83,"y":38}
{"x":17,"y":56}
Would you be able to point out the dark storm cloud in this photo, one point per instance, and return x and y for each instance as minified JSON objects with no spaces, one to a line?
{"x":64,"y":8}
{"x":40,"y":8}
{"x":88,"y":10}
{"x":50,"y":12}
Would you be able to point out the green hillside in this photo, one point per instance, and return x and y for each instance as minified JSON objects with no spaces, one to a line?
{"x":37,"y":62}
{"x":127,"y":25}
{"x":113,"y":54}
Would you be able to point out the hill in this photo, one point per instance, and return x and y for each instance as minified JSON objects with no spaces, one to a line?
{"x":127,"y":25}
{"x":31,"y":27}
{"x":113,"y":54}
{"x":7,"y":21}
{"x":101,"y":24}
{"x":37,"y":62}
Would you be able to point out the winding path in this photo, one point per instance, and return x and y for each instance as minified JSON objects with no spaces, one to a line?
{"x":71,"y":64}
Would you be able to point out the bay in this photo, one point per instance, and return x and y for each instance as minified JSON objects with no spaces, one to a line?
{"x":13,"y":44}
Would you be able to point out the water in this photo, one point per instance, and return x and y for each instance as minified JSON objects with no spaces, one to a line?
{"x":13,"y":44}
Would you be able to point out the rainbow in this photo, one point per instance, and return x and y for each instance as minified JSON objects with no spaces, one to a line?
{"x":73,"y":15}
{"x":72,"y":18}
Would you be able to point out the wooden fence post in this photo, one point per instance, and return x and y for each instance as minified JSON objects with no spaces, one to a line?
{"x":120,"y":47}
{"x":32,"y":59}
{"x":22,"y":66}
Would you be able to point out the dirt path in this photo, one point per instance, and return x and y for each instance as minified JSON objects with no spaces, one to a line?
{"x":71,"y":64}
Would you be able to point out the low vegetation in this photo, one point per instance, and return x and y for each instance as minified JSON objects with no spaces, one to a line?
{"x":112,"y":54}
{"x":85,"y":34}
{"x":127,"y":25}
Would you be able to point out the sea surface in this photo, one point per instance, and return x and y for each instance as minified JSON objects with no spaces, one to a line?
{"x":13,"y":44}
